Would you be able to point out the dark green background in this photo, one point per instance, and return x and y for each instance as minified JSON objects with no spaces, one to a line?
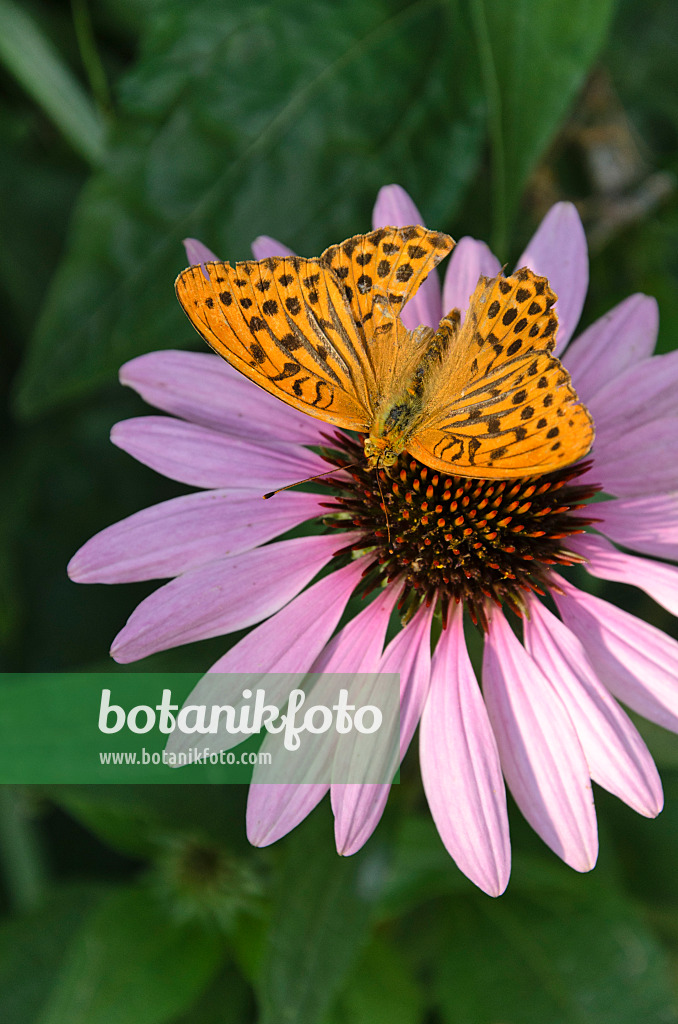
{"x":126,"y":125}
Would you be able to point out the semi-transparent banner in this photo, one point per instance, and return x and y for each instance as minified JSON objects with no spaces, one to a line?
{"x":222,"y":728}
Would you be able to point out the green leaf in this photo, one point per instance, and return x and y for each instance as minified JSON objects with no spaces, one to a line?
{"x":381,"y":989}
{"x":130,"y":965}
{"x":564,"y":958}
{"x":32,"y":950}
{"x":40,"y":69}
{"x":247,"y":119}
{"x":533,"y":59}
{"x":320,"y":919}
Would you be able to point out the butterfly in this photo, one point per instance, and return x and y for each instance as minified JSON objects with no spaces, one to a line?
{"x":486,"y":398}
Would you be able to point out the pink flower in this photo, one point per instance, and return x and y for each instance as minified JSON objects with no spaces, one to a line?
{"x":547,"y":720}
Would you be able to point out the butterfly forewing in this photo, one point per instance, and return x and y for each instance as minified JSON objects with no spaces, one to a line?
{"x":392,"y":262}
{"x":285,"y":323}
{"x":500,"y":405}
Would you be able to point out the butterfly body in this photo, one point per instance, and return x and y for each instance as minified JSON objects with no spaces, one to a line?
{"x":485,"y":398}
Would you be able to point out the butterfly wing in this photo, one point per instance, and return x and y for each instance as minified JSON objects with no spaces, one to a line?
{"x":285,"y":323}
{"x":392,"y":262}
{"x":500,"y":405}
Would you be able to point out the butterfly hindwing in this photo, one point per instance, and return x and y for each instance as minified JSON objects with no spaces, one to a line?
{"x":500,"y":405}
{"x":392,"y":262}
{"x":285,"y":324}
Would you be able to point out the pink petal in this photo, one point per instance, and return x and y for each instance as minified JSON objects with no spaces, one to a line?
{"x":274,"y":810}
{"x":637,"y":662}
{"x":286,"y":643}
{"x":204,"y":389}
{"x":659,"y":581}
{"x":641,"y":394}
{"x":395,"y":208}
{"x":460,"y":767}
{"x":470,"y":258}
{"x":197,"y":254}
{"x":264,"y":247}
{"x":175,"y":536}
{"x":204,"y":458}
{"x":620,"y":339}
{"x":358,"y":808}
{"x":225,"y":595}
{"x":558,"y":251}
{"x":638,"y":462}
{"x":649,"y":525}
{"x":540,"y":753}
{"x":617,"y":758}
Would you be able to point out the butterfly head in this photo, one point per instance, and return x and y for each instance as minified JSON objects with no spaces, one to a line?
{"x":379,"y":453}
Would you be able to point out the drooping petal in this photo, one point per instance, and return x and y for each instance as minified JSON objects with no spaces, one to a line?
{"x":641,"y":394}
{"x":616,"y":755}
{"x":470,"y":258}
{"x":274,"y":809}
{"x":637,"y":662}
{"x":264,"y":247}
{"x":558,"y":251}
{"x":204,"y":458}
{"x":659,"y":581}
{"x":287,"y":643}
{"x":206,"y":390}
{"x":225,"y":595}
{"x":197,"y":254}
{"x":358,"y":808}
{"x":621,"y":338}
{"x":183,"y":533}
{"x":460,"y":767}
{"x":395,"y":208}
{"x":540,"y":753}
{"x":638,"y":462}
{"x":649,"y":525}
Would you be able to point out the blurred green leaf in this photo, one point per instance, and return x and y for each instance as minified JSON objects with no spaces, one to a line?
{"x":319,"y":923}
{"x":32,"y":950}
{"x":247,"y":119}
{"x":41,"y":70}
{"x":130,"y":965}
{"x":227,"y":1001}
{"x":564,"y":959}
{"x":533,"y":59}
{"x":381,"y":989}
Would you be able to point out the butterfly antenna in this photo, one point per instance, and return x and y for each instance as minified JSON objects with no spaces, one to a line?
{"x":383,"y":501}
{"x":308,"y":479}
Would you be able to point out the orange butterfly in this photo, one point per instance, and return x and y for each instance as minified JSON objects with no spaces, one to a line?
{"x":484,"y":399}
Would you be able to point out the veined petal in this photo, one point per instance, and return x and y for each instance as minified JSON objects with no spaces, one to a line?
{"x":659,"y":581}
{"x":558,"y":251}
{"x":204,"y":389}
{"x":641,"y":394}
{"x":621,"y":338}
{"x":204,"y":458}
{"x":649,"y":525}
{"x":264,"y":247}
{"x":358,"y":808}
{"x":616,"y":755}
{"x":470,"y":258}
{"x":270,"y":813}
{"x":225,"y":595}
{"x":395,"y":208}
{"x":183,"y":533}
{"x":286,"y":643}
{"x":637,"y":662}
{"x":638,"y":462}
{"x":460,"y":767}
{"x":540,"y":753}
{"x":274,"y":810}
